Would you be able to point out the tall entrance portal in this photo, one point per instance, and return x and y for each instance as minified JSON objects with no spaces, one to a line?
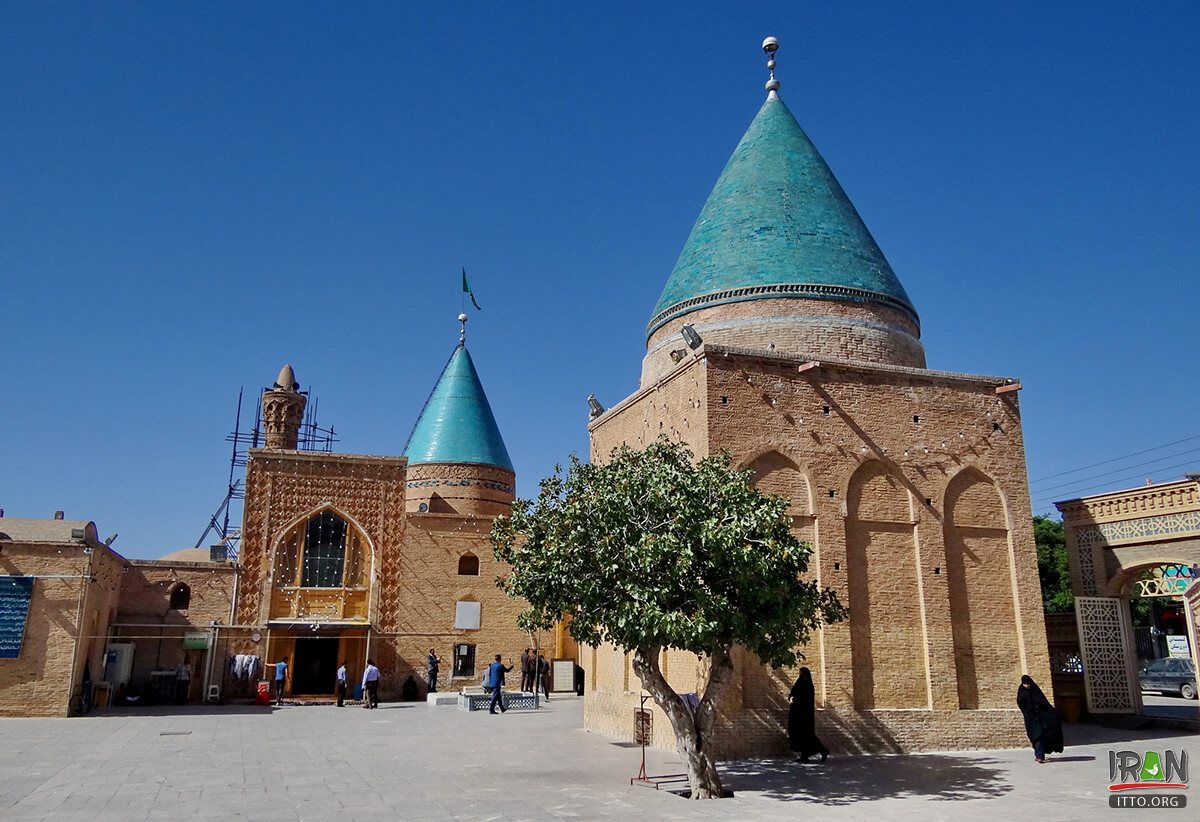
{"x":316,"y":665}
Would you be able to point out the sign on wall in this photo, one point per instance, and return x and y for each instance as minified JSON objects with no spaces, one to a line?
{"x":1177,"y":646}
{"x":466,"y":615}
{"x":15,"y":593}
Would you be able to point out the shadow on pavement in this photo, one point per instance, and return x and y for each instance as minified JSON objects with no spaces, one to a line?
{"x":175,"y":710}
{"x":841,"y":781}
{"x":1133,"y":729}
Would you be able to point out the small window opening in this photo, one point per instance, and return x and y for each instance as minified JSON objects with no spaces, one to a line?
{"x":825,"y":410}
{"x":181,"y":597}
{"x":468,"y":565}
{"x":464,"y":660}
{"x":916,"y":419}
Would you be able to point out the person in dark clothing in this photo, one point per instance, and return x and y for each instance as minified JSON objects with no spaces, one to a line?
{"x":543,"y":676}
{"x":431,"y":671}
{"x":495,"y":679}
{"x":802,"y":735}
{"x":527,"y":666}
{"x":1042,"y":723}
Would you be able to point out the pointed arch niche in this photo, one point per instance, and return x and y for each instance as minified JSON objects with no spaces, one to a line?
{"x":886,"y":636}
{"x":764,"y":687}
{"x":979,"y":577}
{"x":773,"y":473}
{"x":322,"y":569}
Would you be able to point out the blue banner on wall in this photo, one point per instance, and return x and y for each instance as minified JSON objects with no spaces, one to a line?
{"x":15,"y":593}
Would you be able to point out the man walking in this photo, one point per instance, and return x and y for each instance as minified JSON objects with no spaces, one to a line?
{"x":370,"y":685}
{"x":527,"y":662}
{"x":341,"y":685}
{"x":495,"y":679}
{"x":431,"y":671}
{"x":280,"y":677}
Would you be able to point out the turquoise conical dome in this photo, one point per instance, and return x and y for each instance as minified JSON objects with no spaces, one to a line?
{"x":778,"y":225}
{"x":457,"y":424}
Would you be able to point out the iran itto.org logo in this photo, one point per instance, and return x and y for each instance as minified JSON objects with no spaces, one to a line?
{"x":1147,"y":780}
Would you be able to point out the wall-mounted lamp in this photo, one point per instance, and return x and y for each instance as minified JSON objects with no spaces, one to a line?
{"x":595,"y":409}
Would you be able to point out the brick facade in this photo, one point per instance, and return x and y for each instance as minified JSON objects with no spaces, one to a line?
{"x":146,"y":618}
{"x":828,"y":329}
{"x":414,"y":579}
{"x":911,"y":486}
{"x":74,"y":598}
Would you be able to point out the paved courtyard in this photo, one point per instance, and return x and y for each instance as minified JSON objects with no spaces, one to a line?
{"x":412,"y":761}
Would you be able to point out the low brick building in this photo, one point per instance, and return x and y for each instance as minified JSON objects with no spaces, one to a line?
{"x":784,"y":337}
{"x":59,"y":586}
{"x":170,"y":613}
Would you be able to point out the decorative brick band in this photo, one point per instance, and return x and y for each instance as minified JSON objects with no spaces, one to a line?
{"x":817,"y":291}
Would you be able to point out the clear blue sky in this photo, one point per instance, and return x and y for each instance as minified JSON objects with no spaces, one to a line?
{"x":192,"y":194}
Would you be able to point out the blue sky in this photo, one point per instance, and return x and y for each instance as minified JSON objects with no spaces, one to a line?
{"x":193,"y":194}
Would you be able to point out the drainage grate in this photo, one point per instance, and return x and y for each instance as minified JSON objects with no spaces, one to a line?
{"x":175,"y":733}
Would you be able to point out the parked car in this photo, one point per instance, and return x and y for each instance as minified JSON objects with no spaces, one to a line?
{"x":1170,"y":676}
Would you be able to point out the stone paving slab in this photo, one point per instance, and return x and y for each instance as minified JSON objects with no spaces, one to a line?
{"x":415,"y":761}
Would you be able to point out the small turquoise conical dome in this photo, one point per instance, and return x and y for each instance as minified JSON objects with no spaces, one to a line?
{"x":778,"y":225}
{"x":457,"y":424}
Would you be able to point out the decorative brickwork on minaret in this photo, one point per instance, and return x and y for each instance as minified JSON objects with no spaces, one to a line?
{"x":282,"y":411}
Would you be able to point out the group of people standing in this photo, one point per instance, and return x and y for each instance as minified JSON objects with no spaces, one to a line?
{"x":1043,"y":725}
{"x":535,"y":672}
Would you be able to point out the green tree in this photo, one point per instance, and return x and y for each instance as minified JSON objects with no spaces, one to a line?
{"x":655,"y":550}
{"x":1051,"y":539}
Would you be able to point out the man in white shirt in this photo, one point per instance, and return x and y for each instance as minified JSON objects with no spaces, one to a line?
{"x":371,"y":685}
{"x":341,"y":685}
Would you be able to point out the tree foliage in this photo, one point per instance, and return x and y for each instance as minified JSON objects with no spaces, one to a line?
{"x":655,"y":549}
{"x":1051,"y":539}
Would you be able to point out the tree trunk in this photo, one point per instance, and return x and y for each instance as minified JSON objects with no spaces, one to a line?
{"x":693,"y":731}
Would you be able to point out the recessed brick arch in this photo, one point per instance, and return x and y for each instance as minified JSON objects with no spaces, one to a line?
{"x":886,"y":632}
{"x":979,"y":577}
{"x":773,"y":472}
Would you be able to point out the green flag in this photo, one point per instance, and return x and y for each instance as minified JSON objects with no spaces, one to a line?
{"x":467,"y":290}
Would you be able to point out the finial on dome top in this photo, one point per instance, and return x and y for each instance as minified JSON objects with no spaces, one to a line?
{"x":462,"y":334}
{"x":770,"y":46}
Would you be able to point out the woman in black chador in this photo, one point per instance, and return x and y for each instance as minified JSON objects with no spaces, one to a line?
{"x":1042,"y":724}
{"x":802,"y":736}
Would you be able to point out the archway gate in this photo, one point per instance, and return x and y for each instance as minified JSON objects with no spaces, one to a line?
{"x":1111,"y":539}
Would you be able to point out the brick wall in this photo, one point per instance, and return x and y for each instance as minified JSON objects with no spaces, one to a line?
{"x":66,"y":626}
{"x":920,"y":520}
{"x":156,"y":630}
{"x":821,"y":328}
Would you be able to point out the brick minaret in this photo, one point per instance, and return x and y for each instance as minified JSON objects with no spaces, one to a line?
{"x":282,"y":411}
